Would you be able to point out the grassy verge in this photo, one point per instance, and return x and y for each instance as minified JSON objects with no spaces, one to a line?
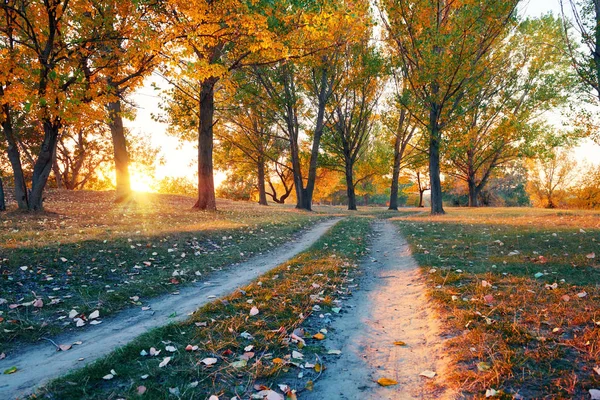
{"x":238,"y":348}
{"x":519,"y":293}
{"x":43,"y":278}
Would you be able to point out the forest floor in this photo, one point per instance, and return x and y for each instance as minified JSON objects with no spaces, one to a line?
{"x":498,"y":303}
{"x":88,"y":254}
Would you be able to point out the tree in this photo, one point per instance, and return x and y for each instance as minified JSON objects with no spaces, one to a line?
{"x":401,"y":127}
{"x":550,"y":177}
{"x":353,"y":110}
{"x":440,"y":46}
{"x":291,"y":86}
{"x":587,"y":189}
{"x":212,"y":39}
{"x":247,"y":135}
{"x":80,"y":154}
{"x":527,"y":76}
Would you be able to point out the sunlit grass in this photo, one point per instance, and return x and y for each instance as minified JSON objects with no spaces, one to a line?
{"x":537,"y":335}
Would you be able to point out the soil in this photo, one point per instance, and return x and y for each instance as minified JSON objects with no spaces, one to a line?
{"x":390,"y":306}
{"x":37,"y":364}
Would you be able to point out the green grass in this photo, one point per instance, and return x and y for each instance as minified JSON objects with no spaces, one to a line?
{"x":527,"y":338}
{"x":105,"y":270}
{"x":283,"y":297}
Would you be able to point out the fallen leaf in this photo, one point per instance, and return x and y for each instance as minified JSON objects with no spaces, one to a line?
{"x":164,"y":362}
{"x":595,"y":393}
{"x":386,"y":382}
{"x":334,"y":352}
{"x":209,"y":361}
{"x":427,"y":374}
{"x":94,"y":315}
{"x":72,"y":314}
{"x":581,"y":295}
{"x":141,"y":390}
{"x":2,"y":356}
{"x":319,"y":336}
{"x":64,"y":347}
{"x":597,"y":369}
{"x":39,"y":303}
{"x":491,"y":393}
{"x":10,"y":370}
{"x":108,"y":377}
{"x":483,"y":366}
{"x":240,"y":363}
{"x":399,"y":343}
{"x":591,"y":256}
{"x":297,"y":354}
{"x":213,"y":397}
{"x":253,"y":311}
{"x":566,"y":297}
{"x":488,"y":298}
{"x":171,"y":349}
{"x":278,"y":361}
{"x":154,"y":352}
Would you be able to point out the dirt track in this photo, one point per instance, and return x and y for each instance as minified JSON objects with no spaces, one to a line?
{"x":390,"y":306}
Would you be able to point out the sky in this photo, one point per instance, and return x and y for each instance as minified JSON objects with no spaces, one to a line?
{"x":180,"y":158}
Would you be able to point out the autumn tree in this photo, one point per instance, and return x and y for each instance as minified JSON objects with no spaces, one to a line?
{"x":441,"y":47}
{"x":212,"y":39}
{"x":127,"y":55}
{"x":352,"y":111}
{"x":550,"y":178}
{"x":526,"y":76}
{"x":401,"y":128}
{"x":247,"y":134}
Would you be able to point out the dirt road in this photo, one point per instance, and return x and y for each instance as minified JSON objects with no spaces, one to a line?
{"x":390,"y":306}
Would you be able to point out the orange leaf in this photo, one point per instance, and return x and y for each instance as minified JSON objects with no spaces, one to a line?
{"x":386,"y":382}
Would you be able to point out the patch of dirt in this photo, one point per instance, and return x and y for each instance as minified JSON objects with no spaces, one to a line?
{"x":390,"y":306}
{"x":33,"y":361}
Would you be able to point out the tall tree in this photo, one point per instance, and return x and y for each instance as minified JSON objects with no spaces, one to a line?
{"x":527,"y":75}
{"x":440,"y":46}
{"x":353,"y":109}
{"x":212,"y":39}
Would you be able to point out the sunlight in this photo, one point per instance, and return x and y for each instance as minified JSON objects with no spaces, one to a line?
{"x":141,"y":181}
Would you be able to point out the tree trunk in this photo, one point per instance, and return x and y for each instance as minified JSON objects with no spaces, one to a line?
{"x":473,"y":193}
{"x":350,"y":187}
{"x":2,"y":200}
{"x":395,"y":175}
{"x":262,"y":192}
{"x":206,"y":183}
{"x":14,"y":156}
{"x":43,"y":165}
{"x":421,"y":192}
{"x":434,"y":164}
{"x":121,"y":155}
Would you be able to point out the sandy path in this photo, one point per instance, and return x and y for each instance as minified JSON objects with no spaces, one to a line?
{"x":390,"y":306}
{"x":41,"y":362}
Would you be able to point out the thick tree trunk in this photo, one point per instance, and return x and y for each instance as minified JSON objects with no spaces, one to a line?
{"x":473,"y":193}
{"x":43,"y":165}
{"x":206,"y":183}
{"x":262,"y":192}
{"x":434,"y":164}
{"x":350,"y":187}
{"x":121,"y":155}
{"x":2,"y":200}
{"x":14,"y":156}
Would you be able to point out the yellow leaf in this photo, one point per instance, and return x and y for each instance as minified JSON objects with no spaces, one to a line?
{"x":319,"y":336}
{"x":277,"y":361}
{"x":318,"y":367}
{"x":386,"y":382}
{"x":309,"y":385}
{"x":399,"y":343}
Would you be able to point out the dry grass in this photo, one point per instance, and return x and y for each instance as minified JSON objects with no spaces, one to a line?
{"x":88,"y":253}
{"x":528,"y":338}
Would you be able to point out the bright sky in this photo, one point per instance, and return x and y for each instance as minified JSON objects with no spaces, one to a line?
{"x":180,"y":159}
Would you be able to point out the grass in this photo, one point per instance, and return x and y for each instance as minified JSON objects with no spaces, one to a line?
{"x":90,"y":254}
{"x":285,"y":297}
{"x":523,"y":324}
